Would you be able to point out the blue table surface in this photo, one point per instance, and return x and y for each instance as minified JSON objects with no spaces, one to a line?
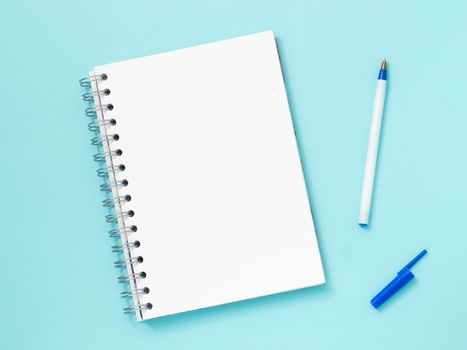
{"x":58,"y":286}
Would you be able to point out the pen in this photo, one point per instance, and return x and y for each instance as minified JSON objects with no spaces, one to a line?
{"x":372,"y":154}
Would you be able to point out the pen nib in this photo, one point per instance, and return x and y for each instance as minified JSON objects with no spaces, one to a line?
{"x":383,"y":65}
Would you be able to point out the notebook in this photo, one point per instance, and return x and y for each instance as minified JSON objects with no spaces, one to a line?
{"x":202,"y":177}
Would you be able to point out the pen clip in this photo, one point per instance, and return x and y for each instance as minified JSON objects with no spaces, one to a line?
{"x":413,"y":262}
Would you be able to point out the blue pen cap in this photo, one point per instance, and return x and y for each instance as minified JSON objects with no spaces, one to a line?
{"x":402,"y":278}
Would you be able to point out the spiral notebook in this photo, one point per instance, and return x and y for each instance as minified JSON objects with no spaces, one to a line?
{"x":205,"y":190}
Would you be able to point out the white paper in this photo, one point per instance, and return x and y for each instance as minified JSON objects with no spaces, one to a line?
{"x":214,"y":173}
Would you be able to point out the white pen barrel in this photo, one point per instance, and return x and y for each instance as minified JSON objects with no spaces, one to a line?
{"x":370,"y":165}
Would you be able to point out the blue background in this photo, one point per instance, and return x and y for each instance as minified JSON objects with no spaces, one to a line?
{"x":58,"y":287}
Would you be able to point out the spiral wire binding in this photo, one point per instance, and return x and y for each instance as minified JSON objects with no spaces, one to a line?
{"x":89,"y":96}
{"x":124,"y":231}
{"x":121,"y":247}
{"x":120,"y":215}
{"x":87,"y":82}
{"x":121,"y":264}
{"x":126,"y":278}
{"x":112,"y":185}
{"x":95,"y":126}
{"x":111,"y":202}
{"x":108,"y":186}
{"x":140,"y":307}
{"x":100,"y":140}
{"x":137,"y":291}
{"x":102,"y":156}
{"x":104,"y":172}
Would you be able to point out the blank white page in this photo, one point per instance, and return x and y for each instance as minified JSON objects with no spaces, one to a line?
{"x":214,"y":173}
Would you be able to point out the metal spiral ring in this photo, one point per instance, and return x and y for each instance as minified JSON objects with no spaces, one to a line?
{"x":102,"y":156}
{"x":87,"y":82}
{"x":111,"y":202}
{"x":96,"y":125}
{"x":89,"y":96}
{"x":131,"y":293}
{"x":131,"y":276}
{"x":125,"y":230}
{"x":99,"y":140}
{"x":126,"y":246}
{"x":122,"y":215}
{"x":104,"y":172}
{"x":131,"y":261}
{"x":112,"y":185}
{"x":92,"y":111}
{"x":133,"y":309}
{"x":108,"y":186}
